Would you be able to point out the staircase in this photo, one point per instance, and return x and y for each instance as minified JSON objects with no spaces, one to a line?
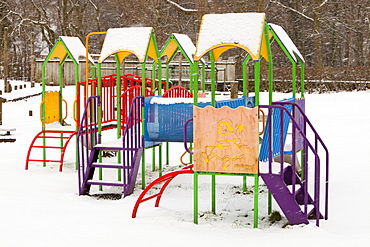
{"x":131,"y":146}
{"x":59,"y":140}
{"x":289,"y":190}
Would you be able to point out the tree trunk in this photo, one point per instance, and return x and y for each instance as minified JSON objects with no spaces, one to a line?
{"x":261,"y":6}
{"x":202,"y":6}
{"x":6,"y":86}
{"x":317,"y":34}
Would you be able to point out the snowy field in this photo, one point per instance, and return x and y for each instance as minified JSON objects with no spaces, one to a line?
{"x":40,"y":207}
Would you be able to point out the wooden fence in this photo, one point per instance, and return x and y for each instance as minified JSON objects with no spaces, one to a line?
{"x":327,"y":79}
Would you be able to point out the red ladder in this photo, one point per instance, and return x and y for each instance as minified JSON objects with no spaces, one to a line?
{"x":50,"y":134}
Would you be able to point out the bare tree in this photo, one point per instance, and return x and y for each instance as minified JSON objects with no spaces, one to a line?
{"x":328,"y":32}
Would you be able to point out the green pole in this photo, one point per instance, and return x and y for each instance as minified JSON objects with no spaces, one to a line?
{"x":77,"y":76}
{"x":245,"y":76}
{"x":257,"y":65}
{"x":213,"y":177}
{"x":153,"y":158}
{"x":203,"y":77}
{"x":195,"y":213}
{"x":153,"y":78}
{"x":60,"y":94}
{"x":294,"y":79}
{"x":160,"y":76}
{"x":245,"y":94}
{"x":213,"y":101}
{"x":302,"y":95}
{"x":255,"y":195}
{"x":160,"y":93}
{"x":160,"y":160}
{"x":213,"y":79}
{"x":43,"y":71}
{"x":195,"y":95}
{"x":61,"y":101}
{"x":167,"y":144}
{"x":244,"y":183}
{"x":193,"y":80}
{"x":118,"y":97}
{"x":99,"y":94}
{"x":99,"y":121}
{"x":195,"y":83}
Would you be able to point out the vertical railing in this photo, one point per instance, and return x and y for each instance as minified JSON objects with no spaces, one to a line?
{"x":307,"y":146}
{"x":108,"y":98}
{"x":133,"y":138}
{"x":87,"y":136}
{"x":318,"y":140}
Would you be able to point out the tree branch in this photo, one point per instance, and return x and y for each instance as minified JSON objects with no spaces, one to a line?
{"x":294,"y":10}
{"x":93,"y":4}
{"x":323,"y":3}
{"x":180,"y":7}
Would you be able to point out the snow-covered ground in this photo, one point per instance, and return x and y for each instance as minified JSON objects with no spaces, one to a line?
{"x":40,"y":206}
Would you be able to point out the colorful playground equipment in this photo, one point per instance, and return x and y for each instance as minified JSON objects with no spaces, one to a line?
{"x":225,"y":134}
{"x":51,"y":107}
{"x":224,"y":143}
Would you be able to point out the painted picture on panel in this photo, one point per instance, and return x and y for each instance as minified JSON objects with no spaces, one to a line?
{"x":226,"y":140}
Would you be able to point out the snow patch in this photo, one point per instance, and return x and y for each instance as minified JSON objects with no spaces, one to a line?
{"x":131,"y":39}
{"x":236,"y":28}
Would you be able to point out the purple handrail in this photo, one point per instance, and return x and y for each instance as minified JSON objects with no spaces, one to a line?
{"x":307,"y":145}
{"x":132,"y":141}
{"x":185,"y":136}
{"x":317,"y":138}
{"x":86,"y":135}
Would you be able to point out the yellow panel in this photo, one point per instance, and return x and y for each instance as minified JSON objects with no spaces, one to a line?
{"x":217,"y":52}
{"x":224,"y":47}
{"x":264,"y":51}
{"x":226,"y":140}
{"x":152,"y":51}
{"x":122,"y":55}
{"x":52,"y":107}
{"x":171,"y":48}
{"x":59,"y":51}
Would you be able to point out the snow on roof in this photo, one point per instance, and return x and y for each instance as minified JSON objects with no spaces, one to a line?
{"x":186,"y":44}
{"x":244,"y":29}
{"x":287,"y":42}
{"x":132,"y":39}
{"x":75,"y":47}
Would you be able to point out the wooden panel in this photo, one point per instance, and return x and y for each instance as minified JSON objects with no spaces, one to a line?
{"x":226,"y":140}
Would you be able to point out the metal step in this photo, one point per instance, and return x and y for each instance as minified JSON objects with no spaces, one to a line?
{"x":53,"y":137}
{"x":53,"y":147}
{"x":35,"y":160}
{"x":105,"y":183}
{"x":108,"y":165}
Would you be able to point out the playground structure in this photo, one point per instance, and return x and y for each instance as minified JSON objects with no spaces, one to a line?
{"x":52,"y":102}
{"x":145,"y":118}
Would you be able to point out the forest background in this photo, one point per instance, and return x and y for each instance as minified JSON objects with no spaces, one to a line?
{"x":332,"y":35}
